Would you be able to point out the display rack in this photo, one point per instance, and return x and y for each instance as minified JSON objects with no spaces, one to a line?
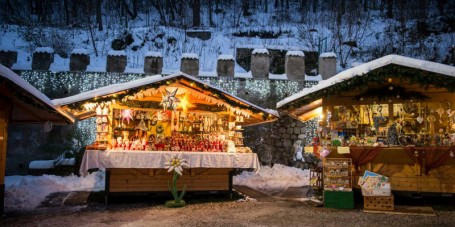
{"x":337,"y":174}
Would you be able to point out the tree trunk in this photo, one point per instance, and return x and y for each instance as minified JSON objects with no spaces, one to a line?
{"x":315,"y":6}
{"x":99,"y":21}
{"x":441,"y":5}
{"x":196,"y":8}
{"x":266,"y":6}
{"x":210,"y":9}
{"x":246,"y":8}
{"x":389,"y":8}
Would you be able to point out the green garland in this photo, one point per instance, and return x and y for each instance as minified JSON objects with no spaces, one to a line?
{"x":215,"y":93}
{"x":378,"y":76}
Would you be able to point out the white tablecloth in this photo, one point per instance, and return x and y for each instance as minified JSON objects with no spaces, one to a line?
{"x":156,"y":159}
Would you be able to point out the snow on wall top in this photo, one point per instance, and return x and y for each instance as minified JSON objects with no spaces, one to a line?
{"x":114,"y":88}
{"x":44,"y":50}
{"x":116,"y":53}
{"x":328,"y":55}
{"x":260,"y":51}
{"x":16,"y":79}
{"x":369,"y":66}
{"x":297,"y":53}
{"x":226,"y":57}
{"x":190,"y":56}
{"x":153,"y":54}
{"x":278,"y":76}
{"x":80,"y":51}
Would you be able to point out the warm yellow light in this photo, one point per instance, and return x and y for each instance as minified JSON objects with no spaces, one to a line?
{"x":185,"y":103}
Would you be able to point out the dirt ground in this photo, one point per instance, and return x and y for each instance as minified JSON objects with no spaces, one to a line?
{"x":215,"y":211}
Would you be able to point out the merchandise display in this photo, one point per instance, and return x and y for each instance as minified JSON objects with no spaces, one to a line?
{"x":337,"y":174}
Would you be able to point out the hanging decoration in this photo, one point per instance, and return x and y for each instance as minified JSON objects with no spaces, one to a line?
{"x":169,"y":100}
{"x":127,"y":115}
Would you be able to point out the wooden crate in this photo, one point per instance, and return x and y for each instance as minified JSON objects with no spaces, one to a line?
{"x":384,"y":203}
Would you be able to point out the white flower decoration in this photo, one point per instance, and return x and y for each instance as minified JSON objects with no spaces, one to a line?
{"x":177,"y":164}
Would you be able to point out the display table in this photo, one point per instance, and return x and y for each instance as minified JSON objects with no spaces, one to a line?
{"x":143,"y":171}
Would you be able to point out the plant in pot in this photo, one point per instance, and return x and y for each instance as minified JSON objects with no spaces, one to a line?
{"x":176,"y":164}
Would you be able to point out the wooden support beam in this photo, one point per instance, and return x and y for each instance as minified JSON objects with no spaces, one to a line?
{"x":5,"y":111}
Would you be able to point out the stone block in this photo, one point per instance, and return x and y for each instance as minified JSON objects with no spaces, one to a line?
{"x":327,"y":65}
{"x":225,"y":66}
{"x":277,"y":61}
{"x":287,"y":143}
{"x":8,"y":58}
{"x":285,"y":136}
{"x":296,"y":130}
{"x":42,"y":59}
{"x":301,"y":137}
{"x":282,"y":130}
{"x":79,"y":60}
{"x":190,"y":64}
{"x":116,"y":61}
{"x":293,"y":137}
{"x":260,"y":64}
{"x":295,"y":65}
{"x":290,"y":130}
{"x":153,"y":65}
{"x":243,"y":58}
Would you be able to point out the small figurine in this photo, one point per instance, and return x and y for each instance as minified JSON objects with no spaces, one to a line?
{"x":298,"y":159}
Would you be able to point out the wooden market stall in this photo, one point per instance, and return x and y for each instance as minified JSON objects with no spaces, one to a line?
{"x":141,"y":124}
{"x":21,"y":103}
{"x":394,"y":116}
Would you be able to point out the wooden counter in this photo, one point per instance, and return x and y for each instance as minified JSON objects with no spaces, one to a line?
{"x":407,"y":172}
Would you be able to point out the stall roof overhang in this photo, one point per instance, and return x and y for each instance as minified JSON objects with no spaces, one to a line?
{"x":309,"y":95}
{"x":28,"y":104}
{"x":160,"y":81}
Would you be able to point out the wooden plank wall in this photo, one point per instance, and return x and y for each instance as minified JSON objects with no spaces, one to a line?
{"x":156,"y":180}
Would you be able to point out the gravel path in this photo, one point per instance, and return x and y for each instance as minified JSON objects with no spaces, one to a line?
{"x":226,"y":213}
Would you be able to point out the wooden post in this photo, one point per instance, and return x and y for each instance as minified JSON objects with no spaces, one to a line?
{"x":5,"y":109}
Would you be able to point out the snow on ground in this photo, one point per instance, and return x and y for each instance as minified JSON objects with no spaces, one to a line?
{"x":27,"y":192}
{"x":273,"y":180}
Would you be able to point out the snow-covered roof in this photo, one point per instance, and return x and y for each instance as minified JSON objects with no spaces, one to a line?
{"x":260,"y":51}
{"x":369,"y":66}
{"x":44,"y":50}
{"x":116,"y":53}
{"x":297,"y":53}
{"x":16,"y":79}
{"x":153,"y":54}
{"x":80,"y":51}
{"x":190,"y":56}
{"x":328,"y":55}
{"x":226,"y":57}
{"x":114,"y":88}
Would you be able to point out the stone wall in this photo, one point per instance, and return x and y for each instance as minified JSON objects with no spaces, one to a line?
{"x":42,"y":60}
{"x":153,"y":65}
{"x":116,"y":63}
{"x":8,"y":58}
{"x":79,"y":62}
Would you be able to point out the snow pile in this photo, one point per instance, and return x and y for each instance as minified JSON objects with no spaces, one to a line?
{"x":297,"y":53}
{"x":48,"y":50}
{"x":328,"y":55}
{"x":27,"y":192}
{"x":274,"y":180}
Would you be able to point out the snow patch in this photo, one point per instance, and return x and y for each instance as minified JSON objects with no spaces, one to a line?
{"x":260,"y":51}
{"x":190,"y":56}
{"x":246,"y":75}
{"x":274,"y":180}
{"x":278,"y":76}
{"x":208,"y":74}
{"x":80,"y":51}
{"x":41,"y":164}
{"x":226,"y":57}
{"x":328,"y":55}
{"x":153,"y":54}
{"x":48,"y":50}
{"x":297,"y":53}
{"x":116,"y":53}
{"x":313,"y":78}
{"x":27,"y":192}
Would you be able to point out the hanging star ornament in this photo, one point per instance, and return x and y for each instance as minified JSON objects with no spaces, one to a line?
{"x":127,"y":115}
{"x":169,"y":100}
